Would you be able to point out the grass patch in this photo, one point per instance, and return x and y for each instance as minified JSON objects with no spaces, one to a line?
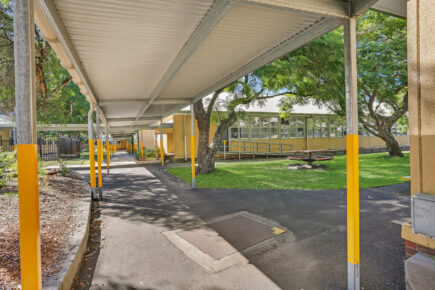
{"x":375,"y":170}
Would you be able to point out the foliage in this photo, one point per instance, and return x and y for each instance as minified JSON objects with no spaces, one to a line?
{"x":63,"y":169}
{"x":7,"y":162}
{"x":147,"y":153}
{"x":58,"y":99}
{"x":375,"y":170}
{"x":315,"y":73}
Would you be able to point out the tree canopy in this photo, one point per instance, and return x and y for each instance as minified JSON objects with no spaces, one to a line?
{"x":315,"y":73}
{"x":58,"y":99}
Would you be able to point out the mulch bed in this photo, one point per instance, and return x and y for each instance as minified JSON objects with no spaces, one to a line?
{"x":58,"y":200}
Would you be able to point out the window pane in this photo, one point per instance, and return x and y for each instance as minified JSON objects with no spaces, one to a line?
{"x":243,"y":123}
{"x":234,"y":133}
{"x":244,"y":133}
{"x":274,"y":132}
{"x":255,"y":121}
{"x":265,"y":122}
{"x":265,"y":133}
{"x":255,"y":133}
{"x":292,"y":132}
{"x":310,"y":127}
{"x":301,"y":127}
{"x":284,"y":121}
{"x":332,"y":128}
{"x":283,"y":132}
{"x":274,"y":122}
{"x":317,"y":127}
{"x":325,"y":132}
{"x":339,"y":126}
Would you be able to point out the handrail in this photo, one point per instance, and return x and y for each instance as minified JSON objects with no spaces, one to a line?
{"x":253,"y":148}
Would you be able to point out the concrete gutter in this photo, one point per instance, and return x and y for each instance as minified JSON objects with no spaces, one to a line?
{"x":76,"y":246}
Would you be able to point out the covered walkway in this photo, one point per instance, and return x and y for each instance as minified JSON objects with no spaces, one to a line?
{"x":143,"y":206}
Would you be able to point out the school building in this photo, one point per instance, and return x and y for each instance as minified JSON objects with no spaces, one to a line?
{"x":262,"y":129}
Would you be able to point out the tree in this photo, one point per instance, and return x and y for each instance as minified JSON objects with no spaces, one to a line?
{"x":225,"y":102}
{"x":58,"y":99}
{"x":315,"y":73}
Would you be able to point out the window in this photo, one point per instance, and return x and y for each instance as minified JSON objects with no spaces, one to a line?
{"x":325,"y":132}
{"x":310,"y":127}
{"x":301,"y":127}
{"x":339,"y":127}
{"x":255,"y":127}
{"x":317,"y":128}
{"x":284,"y":128}
{"x":292,"y":127}
{"x":264,"y":132}
{"x":244,"y":128}
{"x":274,"y":127}
{"x":234,"y":133}
{"x":332,"y":127}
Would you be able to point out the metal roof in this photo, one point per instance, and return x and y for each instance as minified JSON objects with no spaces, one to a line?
{"x":141,"y":60}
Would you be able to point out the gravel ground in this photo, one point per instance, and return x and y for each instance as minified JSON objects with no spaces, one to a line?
{"x":58,"y":202}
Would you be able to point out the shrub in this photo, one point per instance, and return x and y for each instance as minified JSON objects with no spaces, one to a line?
{"x":63,"y":170}
{"x":7,"y":165}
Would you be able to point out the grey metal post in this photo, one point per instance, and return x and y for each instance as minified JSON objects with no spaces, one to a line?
{"x":91,"y":150}
{"x":350,"y":61}
{"x":27,"y":157}
{"x":225,"y":148}
{"x":192,"y":140}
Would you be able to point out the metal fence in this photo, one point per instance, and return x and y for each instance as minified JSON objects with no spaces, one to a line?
{"x":7,"y":145}
{"x":60,"y":148}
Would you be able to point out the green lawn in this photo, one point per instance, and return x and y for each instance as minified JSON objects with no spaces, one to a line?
{"x":375,"y":170}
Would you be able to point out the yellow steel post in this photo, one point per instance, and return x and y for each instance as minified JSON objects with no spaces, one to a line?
{"x":92,"y":163}
{"x":155,"y":146}
{"x":99,"y":156}
{"x":99,"y":151}
{"x":161,"y":145}
{"x":107,"y":152}
{"x":192,"y":146}
{"x":27,"y":158}
{"x":91,"y":143}
{"x":353,"y":234}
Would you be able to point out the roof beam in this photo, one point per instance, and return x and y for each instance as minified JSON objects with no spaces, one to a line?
{"x":62,"y":127}
{"x":50,"y":15}
{"x":128,"y":119}
{"x":117,"y":102}
{"x":393,"y":7}
{"x":319,"y":28}
{"x":361,"y":6}
{"x":207,"y":24}
{"x":330,"y":8}
{"x":172,"y":101}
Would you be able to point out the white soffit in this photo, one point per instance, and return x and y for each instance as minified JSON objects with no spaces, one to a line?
{"x":393,"y":7}
{"x":126,"y":46}
{"x":243,"y":34}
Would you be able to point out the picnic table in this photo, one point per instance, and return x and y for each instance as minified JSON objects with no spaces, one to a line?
{"x":311,"y":156}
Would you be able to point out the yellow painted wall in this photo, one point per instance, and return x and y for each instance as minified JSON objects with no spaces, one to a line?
{"x":147,"y":138}
{"x":296,"y":144}
{"x":4,"y":135}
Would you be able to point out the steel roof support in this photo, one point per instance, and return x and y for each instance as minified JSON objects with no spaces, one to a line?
{"x":208,"y":23}
{"x":27,"y":156}
{"x":353,"y":228}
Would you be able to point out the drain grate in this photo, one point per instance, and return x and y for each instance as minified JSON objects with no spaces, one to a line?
{"x":228,"y":236}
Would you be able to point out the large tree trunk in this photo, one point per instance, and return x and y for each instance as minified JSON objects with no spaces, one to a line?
{"x":208,"y":163}
{"x":392,"y":144}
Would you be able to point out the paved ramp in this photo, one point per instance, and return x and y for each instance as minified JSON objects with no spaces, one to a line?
{"x":136,"y":254}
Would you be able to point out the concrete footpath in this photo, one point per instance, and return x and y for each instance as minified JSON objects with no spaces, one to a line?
{"x":157,"y":233}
